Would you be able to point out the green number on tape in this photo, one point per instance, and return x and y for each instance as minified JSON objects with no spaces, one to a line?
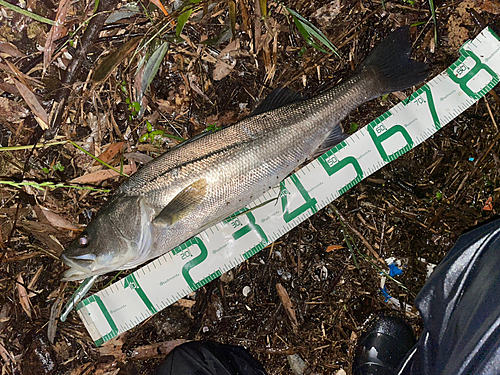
{"x":309,"y":204}
{"x":333,"y":165}
{"x":252,"y":226}
{"x":422,"y":100}
{"x":112,"y":325}
{"x":379,"y":133}
{"x":132,"y":283}
{"x":462,"y":74}
{"x":194,"y":262}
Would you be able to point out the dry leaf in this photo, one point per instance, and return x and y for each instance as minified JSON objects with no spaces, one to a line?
{"x":287,"y":304}
{"x":160,"y":5}
{"x":56,"y":220}
{"x":101,"y":175}
{"x":31,"y":285}
{"x":4,"y":353}
{"x":17,"y":73}
{"x":333,"y":248}
{"x":226,"y":60}
{"x":110,"y":152}
{"x":327,"y":13}
{"x":158,"y":350}
{"x":10,"y":49}
{"x":56,"y":32}
{"x":490,"y":6}
{"x":115,"y":58}
{"x":11,"y":111}
{"x":35,"y":106}
{"x":138,"y":157}
{"x":488,"y":206}
{"x":23,"y":296}
{"x":4,"y":315}
{"x":185,"y":302}
{"x":113,"y":347}
{"x":55,"y":312}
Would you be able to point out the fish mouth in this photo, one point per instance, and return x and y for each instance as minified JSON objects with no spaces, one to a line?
{"x":81,"y":266}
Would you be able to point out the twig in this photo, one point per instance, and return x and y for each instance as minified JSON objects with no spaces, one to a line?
{"x":491,"y":114}
{"x":357,"y":233}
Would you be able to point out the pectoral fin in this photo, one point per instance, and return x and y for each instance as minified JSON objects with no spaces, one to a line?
{"x":334,"y":138}
{"x":183,"y":203}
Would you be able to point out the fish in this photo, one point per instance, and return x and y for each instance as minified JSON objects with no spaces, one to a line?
{"x":209,"y":177}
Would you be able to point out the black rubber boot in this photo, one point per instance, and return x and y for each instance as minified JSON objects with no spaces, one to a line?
{"x":209,"y":358}
{"x":382,"y":348}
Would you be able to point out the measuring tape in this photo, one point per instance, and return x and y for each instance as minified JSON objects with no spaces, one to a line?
{"x":222,"y":247}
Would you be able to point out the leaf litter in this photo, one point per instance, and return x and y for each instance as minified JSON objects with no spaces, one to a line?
{"x":313,"y":291}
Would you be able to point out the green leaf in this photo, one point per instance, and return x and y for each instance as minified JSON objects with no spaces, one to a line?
{"x":312,"y":34}
{"x":45,"y":170}
{"x":135,"y":107}
{"x":58,"y":167}
{"x":151,"y":68}
{"x":110,"y":62}
{"x":181,"y":21}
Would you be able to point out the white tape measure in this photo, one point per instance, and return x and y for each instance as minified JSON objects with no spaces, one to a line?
{"x":160,"y":283}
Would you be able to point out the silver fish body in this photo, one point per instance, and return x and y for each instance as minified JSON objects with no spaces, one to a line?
{"x":203,"y":181}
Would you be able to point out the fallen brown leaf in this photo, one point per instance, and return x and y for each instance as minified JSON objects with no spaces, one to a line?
{"x":288,"y":305}
{"x":55,"y":312}
{"x":226,"y":60}
{"x":113,"y":347}
{"x":56,"y":32}
{"x":10,"y":49}
{"x":100,"y":175}
{"x":110,"y":152}
{"x":186,"y":302}
{"x":4,"y":353}
{"x":23,"y":295}
{"x":35,"y":106}
{"x":160,"y":5}
{"x":115,"y":58}
{"x":12,"y":111}
{"x":56,"y":220}
{"x":138,"y":157}
{"x":158,"y":350}
{"x":333,"y":248}
{"x":488,"y":206}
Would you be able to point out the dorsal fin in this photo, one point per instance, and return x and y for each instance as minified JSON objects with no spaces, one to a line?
{"x":277,"y":98}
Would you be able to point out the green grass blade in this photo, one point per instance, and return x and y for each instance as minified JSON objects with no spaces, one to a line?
{"x":27,"y":13}
{"x":50,"y":185}
{"x":434,"y":19}
{"x":312,"y":34}
{"x":26,"y":147}
{"x":98,"y":160}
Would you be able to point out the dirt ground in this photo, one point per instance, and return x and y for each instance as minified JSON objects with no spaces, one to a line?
{"x":413,"y":210}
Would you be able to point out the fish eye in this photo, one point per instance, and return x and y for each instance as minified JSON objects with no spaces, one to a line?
{"x":83,"y":240}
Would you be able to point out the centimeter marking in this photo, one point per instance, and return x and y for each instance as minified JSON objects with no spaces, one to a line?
{"x":222,"y":247}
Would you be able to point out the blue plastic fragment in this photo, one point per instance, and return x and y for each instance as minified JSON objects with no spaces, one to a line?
{"x":385,"y":293}
{"x":471,"y":159}
{"x":394,"y":270}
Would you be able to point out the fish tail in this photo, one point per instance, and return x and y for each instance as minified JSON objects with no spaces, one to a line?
{"x":391,"y":62}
